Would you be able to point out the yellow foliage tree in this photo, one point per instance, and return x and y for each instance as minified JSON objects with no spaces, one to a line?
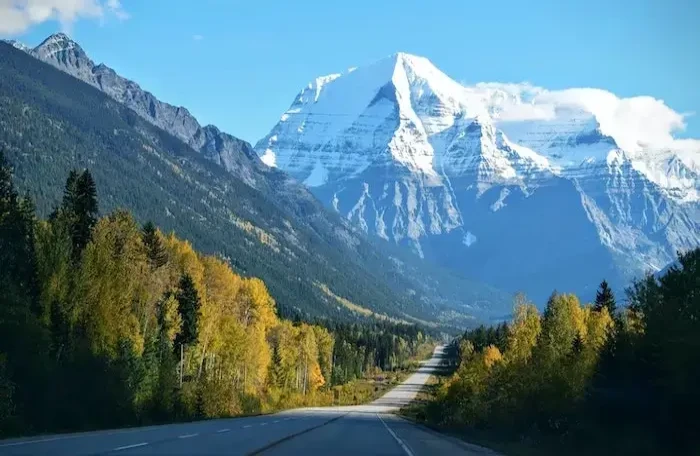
{"x":600,"y":327}
{"x":316,"y":379}
{"x":564,"y":320}
{"x":169,"y":317}
{"x":491,"y":356}
{"x":107,"y":285}
{"x":184,"y":260}
{"x":523,"y":331}
{"x":222,"y":287}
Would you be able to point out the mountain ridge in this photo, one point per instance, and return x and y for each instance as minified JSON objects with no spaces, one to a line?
{"x":291,"y":230}
{"x":232,"y":153}
{"x":412,"y":156}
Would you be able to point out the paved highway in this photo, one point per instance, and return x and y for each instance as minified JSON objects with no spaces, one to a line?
{"x":353,"y":430}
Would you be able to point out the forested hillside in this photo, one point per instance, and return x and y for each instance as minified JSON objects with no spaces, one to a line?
{"x":51,"y":123}
{"x":106,"y":322}
{"x":586,"y":379}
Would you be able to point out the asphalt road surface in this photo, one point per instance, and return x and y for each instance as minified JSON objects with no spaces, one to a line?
{"x":369,"y":429}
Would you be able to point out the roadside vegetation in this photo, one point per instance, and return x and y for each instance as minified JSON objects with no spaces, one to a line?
{"x":105,"y":323}
{"x":581,"y":379}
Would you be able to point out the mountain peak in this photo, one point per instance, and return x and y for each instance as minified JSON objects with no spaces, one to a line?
{"x":409,"y":59}
{"x":57,"y":38}
{"x":415,"y":66}
{"x":59,"y":42}
{"x":62,"y":52}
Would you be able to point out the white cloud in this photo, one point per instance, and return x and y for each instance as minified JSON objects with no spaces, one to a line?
{"x":197,"y":37}
{"x":16,"y":16}
{"x":635,"y":122}
{"x":115,"y":6}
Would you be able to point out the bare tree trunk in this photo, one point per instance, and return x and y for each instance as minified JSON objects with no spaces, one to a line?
{"x":306,"y":374}
{"x":201,"y":361}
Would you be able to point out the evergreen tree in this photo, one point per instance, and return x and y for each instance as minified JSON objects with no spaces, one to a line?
{"x":276,"y":374}
{"x":70,"y":192}
{"x":85,"y":210}
{"x":6,"y":393}
{"x":23,"y":341}
{"x":157,"y":255}
{"x":189,"y":308}
{"x":80,"y":207}
{"x":605,"y":298}
{"x":18,"y":273}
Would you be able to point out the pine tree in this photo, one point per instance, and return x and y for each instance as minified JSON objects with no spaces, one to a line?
{"x":6,"y":393}
{"x":23,"y":341}
{"x":85,"y":210}
{"x":18,"y":267}
{"x":10,"y":225}
{"x":189,"y":308}
{"x":605,"y":298}
{"x":276,"y":373}
{"x":80,"y":208}
{"x":70,"y":192}
{"x":157,"y":255}
{"x":8,"y":194}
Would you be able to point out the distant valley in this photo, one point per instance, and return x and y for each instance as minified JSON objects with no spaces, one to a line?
{"x":465,"y":206}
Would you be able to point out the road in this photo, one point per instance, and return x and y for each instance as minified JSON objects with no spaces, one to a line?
{"x":369,"y":429}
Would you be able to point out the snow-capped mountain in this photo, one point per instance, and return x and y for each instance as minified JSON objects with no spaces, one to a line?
{"x":505,"y":182}
{"x":308,"y":237}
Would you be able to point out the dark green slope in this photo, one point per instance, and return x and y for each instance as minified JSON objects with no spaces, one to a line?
{"x":51,"y":123}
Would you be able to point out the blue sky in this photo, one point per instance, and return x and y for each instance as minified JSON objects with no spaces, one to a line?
{"x":239,"y":64}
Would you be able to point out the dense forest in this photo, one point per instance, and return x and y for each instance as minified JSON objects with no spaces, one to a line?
{"x":586,"y":379}
{"x":105,"y":322}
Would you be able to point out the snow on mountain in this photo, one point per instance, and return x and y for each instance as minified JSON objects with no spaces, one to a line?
{"x":413,"y":285}
{"x":478,"y":177}
{"x":18,"y":45}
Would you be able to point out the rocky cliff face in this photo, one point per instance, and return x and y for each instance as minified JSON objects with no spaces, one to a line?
{"x":234,"y":154}
{"x":524,"y":202}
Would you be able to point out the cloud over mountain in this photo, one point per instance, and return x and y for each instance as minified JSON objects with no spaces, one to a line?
{"x":640,"y":122}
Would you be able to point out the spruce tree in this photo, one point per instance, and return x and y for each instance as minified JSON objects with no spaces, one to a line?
{"x":70,"y":191}
{"x":79,"y":207}
{"x":157,"y":255}
{"x":18,"y":267}
{"x":85,"y":209}
{"x":276,"y":370}
{"x":23,"y":340}
{"x":10,"y":235}
{"x":188,"y":306}
{"x":605,"y":298}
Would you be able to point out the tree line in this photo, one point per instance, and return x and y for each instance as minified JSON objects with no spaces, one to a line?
{"x":105,"y":322}
{"x":587,"y":379}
